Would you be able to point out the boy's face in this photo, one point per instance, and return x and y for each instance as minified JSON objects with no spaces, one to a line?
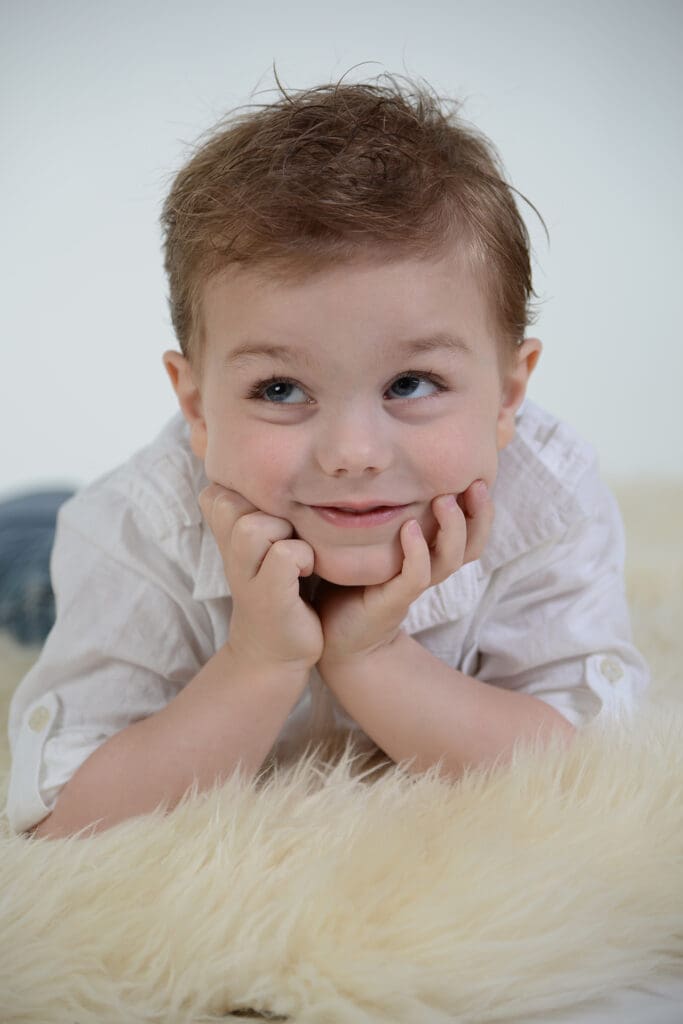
{"x":354,"y":403}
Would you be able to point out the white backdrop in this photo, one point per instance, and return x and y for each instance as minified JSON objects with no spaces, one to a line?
{"x":98,"y":102}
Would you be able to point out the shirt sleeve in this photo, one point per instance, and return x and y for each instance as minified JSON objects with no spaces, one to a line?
{"x":123,"y":644}
{"x":559,"y":626}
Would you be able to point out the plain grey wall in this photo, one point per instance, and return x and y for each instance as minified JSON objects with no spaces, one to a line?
{"x":583,"y":100}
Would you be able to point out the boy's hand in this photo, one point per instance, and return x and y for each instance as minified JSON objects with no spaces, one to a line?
{"x":358,"y":620}
{"x":270,"y":623}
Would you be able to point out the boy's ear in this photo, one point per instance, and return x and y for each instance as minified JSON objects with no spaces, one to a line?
{"x":514,"y":388}
{"x":189,"y":398}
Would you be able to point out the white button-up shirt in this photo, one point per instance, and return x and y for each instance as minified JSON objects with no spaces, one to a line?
{"x":143,"y":603}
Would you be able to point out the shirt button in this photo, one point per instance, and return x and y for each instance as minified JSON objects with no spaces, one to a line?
{"x":611,"y":669}
{"x":39,"y":719}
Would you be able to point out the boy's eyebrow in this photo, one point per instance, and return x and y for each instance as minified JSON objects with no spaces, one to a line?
{"x":412,"y":346}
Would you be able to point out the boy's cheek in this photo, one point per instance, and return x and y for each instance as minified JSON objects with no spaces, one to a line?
{"x":237,"y":478}
{"x":198,"y":441}
{"x":456,"y":462}
{"x":224,"y":468}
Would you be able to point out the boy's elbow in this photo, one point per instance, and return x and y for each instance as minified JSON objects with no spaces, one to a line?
{"x":564,"y":729}
{"x":42,"y":830}
{"x":48,"y":828}
{"x":51,"y":828}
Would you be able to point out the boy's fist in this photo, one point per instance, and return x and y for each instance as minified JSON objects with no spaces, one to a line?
{"x":271,"y":624}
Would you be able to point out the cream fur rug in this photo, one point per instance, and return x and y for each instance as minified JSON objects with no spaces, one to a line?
{"x":325,"y":897}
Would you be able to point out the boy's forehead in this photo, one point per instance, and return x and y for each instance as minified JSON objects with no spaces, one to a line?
{"x":248,"y":309}
{"x":281,"y":278}
{"x":284,"y":274}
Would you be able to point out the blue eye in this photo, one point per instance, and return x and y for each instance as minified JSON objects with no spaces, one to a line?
{"x":408,"y":382}
{"x":282,"y":390}
{"x":276,"y":391}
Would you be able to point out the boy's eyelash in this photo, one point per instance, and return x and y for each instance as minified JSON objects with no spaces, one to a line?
{"x":433,"y":378}
{"x":256,"y":390}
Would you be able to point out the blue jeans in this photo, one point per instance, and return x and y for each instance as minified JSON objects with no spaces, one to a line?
{"x":27,"y":530}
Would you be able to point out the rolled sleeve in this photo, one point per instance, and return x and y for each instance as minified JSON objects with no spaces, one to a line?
{"x":27,"y":802}
{"x":44,"y":759}
{"x":559,"y":628}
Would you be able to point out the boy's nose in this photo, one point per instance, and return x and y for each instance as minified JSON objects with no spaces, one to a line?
{"x":354,"y":444}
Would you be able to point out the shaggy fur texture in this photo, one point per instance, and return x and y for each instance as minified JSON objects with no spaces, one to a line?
{"x":326,"y":895}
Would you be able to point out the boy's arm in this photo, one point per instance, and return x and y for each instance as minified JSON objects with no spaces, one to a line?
{"x":414,"y":705}
{"x":234,"y":707}
{"x":554,"y":650}
{"x":232,"y":711}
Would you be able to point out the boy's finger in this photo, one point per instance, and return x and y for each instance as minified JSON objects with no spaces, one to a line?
{"x":253,"y":535}
{"x":449,"y":546}
{"x":392,"y":598}
{"x":284,"y":563}
{"x":479,"y":513}
{"x":243,"y":533}
{"x":221,"y":507}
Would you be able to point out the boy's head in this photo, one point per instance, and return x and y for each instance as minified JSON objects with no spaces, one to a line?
{"x":344,"y":223}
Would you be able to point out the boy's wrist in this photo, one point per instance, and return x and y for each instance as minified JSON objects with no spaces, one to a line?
{"x":334,"y":665}
{"x":247,"y":664}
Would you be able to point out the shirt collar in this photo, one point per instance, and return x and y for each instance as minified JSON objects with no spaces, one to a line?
{"x":447,"y":601}
{"x":535,"y":491}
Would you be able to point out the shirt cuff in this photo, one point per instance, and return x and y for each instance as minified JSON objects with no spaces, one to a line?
{"x":618,"y":685}
{"x":611,"y":691}
{"x":25,"y":805}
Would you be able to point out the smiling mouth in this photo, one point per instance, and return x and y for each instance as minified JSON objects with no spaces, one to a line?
{"x":358,"y":511}
{"x":361,"y":507}
{"x":372,"y":516}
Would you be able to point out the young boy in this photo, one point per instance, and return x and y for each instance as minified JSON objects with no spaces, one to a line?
{"x":309,"y":547}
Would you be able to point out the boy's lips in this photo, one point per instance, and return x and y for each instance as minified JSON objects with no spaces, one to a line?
{"x":365,"y":514}
{"x":361,"y":506}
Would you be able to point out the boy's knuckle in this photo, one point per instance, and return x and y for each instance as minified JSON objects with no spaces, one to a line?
{"x":221,"y":509}
{"x":247,"y":527}
{"x":284,"y":550}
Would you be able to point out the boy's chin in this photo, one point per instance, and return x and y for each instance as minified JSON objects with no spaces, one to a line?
{"x":359,"y":567}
